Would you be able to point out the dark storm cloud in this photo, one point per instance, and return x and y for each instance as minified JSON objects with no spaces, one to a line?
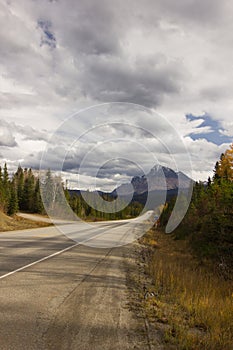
{"x":96,"y":34}
{"x":119,"y":166}
{"x":143,"y":83}
{"x":192,"y":10}
{"x":90,"y":28}
{"x":186,"y":13}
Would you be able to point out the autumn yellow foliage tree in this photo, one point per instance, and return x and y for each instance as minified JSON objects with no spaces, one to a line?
{"x":224,"y":168}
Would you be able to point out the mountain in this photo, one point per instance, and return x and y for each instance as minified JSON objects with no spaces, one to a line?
{"x":159,"y":178}
{"x":160,"y":184}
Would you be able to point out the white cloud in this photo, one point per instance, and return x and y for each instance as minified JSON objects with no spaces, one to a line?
{"x":57,"y":57}
{"x":6,"y":137}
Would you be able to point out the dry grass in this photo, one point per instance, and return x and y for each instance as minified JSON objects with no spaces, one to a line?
{"x":17,"y":223}
{"x":194,"y":305}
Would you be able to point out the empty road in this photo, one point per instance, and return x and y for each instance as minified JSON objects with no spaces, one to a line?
{"x":59,"y":293}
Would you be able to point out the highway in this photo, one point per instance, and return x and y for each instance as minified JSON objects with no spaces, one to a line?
{"x":59,"y":293}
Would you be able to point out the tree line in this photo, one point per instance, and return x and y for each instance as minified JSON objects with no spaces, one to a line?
{"x":100,"y":207}
{"x":208,"y":223}
{"x":21,"y":192}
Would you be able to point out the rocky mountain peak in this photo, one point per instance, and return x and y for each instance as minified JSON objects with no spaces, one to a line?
{"x":159,"y":178}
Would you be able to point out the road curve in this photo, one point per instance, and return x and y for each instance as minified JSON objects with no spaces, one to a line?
{"x":63,"y":294}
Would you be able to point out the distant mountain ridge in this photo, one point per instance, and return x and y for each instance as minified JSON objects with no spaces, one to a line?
{"x":159,"y":178}
{"x":161,"y":183}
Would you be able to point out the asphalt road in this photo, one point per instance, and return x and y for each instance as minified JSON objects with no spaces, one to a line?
{"x":56,"y":293}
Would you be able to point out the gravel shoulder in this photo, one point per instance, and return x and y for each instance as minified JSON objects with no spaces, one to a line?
{"x":97,"y":314}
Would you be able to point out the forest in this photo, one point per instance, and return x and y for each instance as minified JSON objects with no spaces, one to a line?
{"x":21,"y":192}
{"x":208,"y":223}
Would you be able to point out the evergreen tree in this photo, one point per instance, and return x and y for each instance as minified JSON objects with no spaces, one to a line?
{"x":19,"y":178}
{"x":13,"y":200}
{"x":216,"y":177}
{"x":1,"y":189}
{"x":5,"y":189}
{"x":37,"y":202}
{"x":27,"y":202}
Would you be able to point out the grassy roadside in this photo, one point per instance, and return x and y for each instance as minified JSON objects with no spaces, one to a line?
{"x":8,"y":223}
{"x":190,"y":307}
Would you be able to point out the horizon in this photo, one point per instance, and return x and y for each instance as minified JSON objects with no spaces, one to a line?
{"x":37,"y":172}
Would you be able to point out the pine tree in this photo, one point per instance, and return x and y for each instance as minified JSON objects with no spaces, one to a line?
{"x":37,"y":202}
{"x":5,"y":189}
{"x":28,"y":191}
{"x":19,"y":178}
{"x":1,"y":189}
{"x":13,"y":200}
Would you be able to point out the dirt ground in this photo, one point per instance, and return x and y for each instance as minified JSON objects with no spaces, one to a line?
{"x":16,"y":222}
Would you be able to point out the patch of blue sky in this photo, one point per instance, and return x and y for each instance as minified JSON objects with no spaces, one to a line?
{"x":47,"y":38}
{"x":208,"y":129}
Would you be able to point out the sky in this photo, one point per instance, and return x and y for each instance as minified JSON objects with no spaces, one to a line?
{"x":102,"y":90}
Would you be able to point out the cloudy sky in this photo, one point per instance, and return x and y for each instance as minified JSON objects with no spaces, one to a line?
{"x":59,"y":58}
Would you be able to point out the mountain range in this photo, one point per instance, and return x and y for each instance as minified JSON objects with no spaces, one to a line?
{"x":160,"y":184}
{"x":159,"y":178}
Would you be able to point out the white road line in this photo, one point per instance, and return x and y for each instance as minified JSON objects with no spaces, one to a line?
{"x":48,"y":257}
{"x":38,"y":261}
